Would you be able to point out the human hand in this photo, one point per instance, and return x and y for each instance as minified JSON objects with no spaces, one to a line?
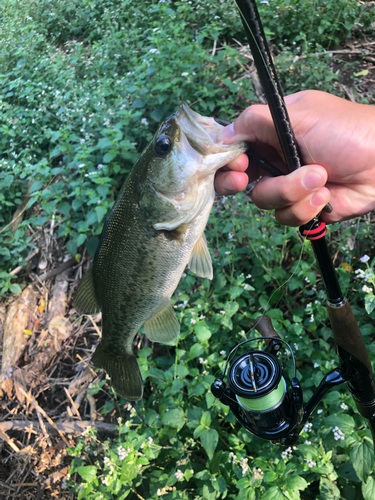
{"x":337,"y":141}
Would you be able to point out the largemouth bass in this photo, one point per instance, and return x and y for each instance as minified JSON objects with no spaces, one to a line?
{"x":155,"y":229}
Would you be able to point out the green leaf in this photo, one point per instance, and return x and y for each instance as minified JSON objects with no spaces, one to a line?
{"x":36,"y":186}
{"x":195,"y":351}
{"x":81,"y":239}
{"x":202,"y":332}
{"x":230,"y":309}
{"x":199,"y":431}
{"x":362,"y":456}
{"x":273,"y":493}
{"x":87,"y":472}
{"x":206,"y":419}
{"x":368,"y":489}
{"x":64,"y":208}
{"x":100,"y":212}
{"x":328,"y":489}
{"x":264,"y":302}
{"x":14,"y":288}
{"x":236,"y":291}
{"x":108,"y":407}
{"x":108,"y":157}
{"x":295,"y":482}
{"x":174,"y":418}
{"x":71,"y":247}
{"x":209,"y":440}
{"x":369,"y":303}
{"x":344,"y":422}
{"x":220,"y":485}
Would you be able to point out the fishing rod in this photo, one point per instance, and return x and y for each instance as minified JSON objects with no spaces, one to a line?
{"x":255,"y":391}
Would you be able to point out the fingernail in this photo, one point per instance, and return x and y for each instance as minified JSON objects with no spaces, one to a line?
{"x":312,"y":181}
{"x":226,"y":134}
{"x":318,"y":199}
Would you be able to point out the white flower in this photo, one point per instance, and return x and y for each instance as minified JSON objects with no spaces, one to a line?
{"x":365,"y":258}
{"x":223,"y":353}
{"x":344,"y":406}
{"x":244,"y":465}
{"x":121,"y":452}
{"x":366,"y":289}
{"x":258,"y":473}
{"x":144,"y":121}
{"x":184,"y":74}
{"x":248,"y":276}
{"x":222,"y":312}
{"x":192,"y":321}
{"x":86,"y":431}
{"x":81,"y":165}
{"x":307,"y":427}
{"x":227,"y":253}
{"x":319,"y":411}
{"x":154,"y":51}
{"x":179,"y":475}
{"x":287,"y":454}
{"x":105,"y":481}
{"x":338,"y":434}
{"x":316,"y":365}
{"x":310,"y":463}
{"x":232,"y":458}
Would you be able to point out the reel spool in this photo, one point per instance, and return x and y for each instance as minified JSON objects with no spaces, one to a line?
{"x":258,"y":395}
{"x":260,"y":389}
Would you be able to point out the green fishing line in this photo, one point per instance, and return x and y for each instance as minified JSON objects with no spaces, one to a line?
{"x":267,"y":402}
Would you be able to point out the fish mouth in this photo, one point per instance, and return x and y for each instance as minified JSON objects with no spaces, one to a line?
{"x":200,"y":132}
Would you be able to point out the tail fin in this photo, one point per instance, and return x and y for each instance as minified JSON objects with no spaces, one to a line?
{"x":124,"y":372}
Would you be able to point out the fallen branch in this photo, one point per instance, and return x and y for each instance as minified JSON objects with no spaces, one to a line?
{"x":74,"y":427}
{"x":28,"y":258}
{"x":54,"y":272}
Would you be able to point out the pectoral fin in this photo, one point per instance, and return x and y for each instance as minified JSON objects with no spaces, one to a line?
{"x":164,"y":327}
{"x":85,"y":301}
{"x":200,"y":261}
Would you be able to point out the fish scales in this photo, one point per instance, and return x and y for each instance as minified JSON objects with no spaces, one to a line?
{"x":155,"y":229}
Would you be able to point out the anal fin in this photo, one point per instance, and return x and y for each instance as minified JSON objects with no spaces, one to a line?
{"x":200,"y":261}
{"x":123,"y":370}
{"x":85,"y":301}
{"x":164,"y":327}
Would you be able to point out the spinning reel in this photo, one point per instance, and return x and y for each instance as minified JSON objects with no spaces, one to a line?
{"x":257,"y":392}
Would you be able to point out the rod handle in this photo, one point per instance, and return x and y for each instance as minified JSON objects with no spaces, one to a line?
{"x":264,"y":326}
{"x":347,"y":333}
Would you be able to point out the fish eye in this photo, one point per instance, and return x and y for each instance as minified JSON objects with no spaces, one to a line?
{"x":163,"y":145}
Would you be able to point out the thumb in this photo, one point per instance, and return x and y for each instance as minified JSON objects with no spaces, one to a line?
{"x":253,"y":124}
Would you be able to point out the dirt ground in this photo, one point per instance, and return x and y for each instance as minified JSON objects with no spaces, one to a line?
{"x":46,"y":347}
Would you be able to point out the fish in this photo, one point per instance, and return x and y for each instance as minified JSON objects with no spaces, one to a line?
{"x":153,"y":232}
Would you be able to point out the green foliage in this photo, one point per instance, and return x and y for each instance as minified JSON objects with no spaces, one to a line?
{"x":300,"y":22}
{"x":83,"y":86}
{"x":179,"y":441}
